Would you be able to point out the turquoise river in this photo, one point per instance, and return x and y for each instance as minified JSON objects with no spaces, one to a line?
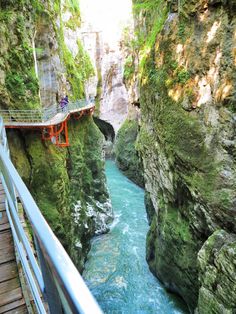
{"x":116,"y":271}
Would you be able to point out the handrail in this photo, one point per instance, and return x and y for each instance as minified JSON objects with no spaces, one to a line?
{"x":40,"y":115}
{"x":64,"y":279}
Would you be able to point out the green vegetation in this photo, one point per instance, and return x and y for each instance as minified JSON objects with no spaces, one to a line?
{"x":129,"y":68}
{"x":87,"y":180}
{"x":49,"y":183}
{"x":61,"y":178}
{"x":216,"y":275}
{"x":78,"y":69}
{"x":174,"y":225}
{"x":146,"y":6}
{"x":182,"y":76}
{"x":155,"y":12}
{"x":15,"y":83}
{"x":38,"y":7}
{"x":126,"y":154}
{"x":98,"y":93}
{"x":85,"y":136}
{"x":169,"y":236}
{"x":182,"y":29}
{"x":181,"y":146}
{"x":73,"y":7}
{"x":21,"y":85}
{"x":75,"y":19}
{"x":6,"y":16}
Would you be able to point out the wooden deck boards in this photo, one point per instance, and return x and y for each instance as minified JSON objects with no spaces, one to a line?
{"x":11,"y":297}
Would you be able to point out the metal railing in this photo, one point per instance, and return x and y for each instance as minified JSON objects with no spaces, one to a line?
{"x":54,"y":278}
{"x":41,"y":115}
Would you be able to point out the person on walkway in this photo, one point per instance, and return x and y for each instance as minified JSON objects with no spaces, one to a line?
{"x":64,"y":102}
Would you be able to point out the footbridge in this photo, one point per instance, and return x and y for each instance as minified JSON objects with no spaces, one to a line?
{"x":36,"y":273}
{"x":51,"y":121}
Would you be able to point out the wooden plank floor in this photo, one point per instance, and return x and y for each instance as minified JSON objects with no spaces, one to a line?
{"x":11,"y":297}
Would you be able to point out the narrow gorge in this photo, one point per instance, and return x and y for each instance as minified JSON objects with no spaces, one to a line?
{"x":162,"y":76}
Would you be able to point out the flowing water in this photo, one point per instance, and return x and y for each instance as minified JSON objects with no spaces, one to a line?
{"x":116,"y":271}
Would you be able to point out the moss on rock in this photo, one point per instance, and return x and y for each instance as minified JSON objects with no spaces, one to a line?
{"x":68,"y":185}
{"x":186,"y":126}
{"x":149,"y":206}
{"x":19,"y":85}
{"x":170,"y":242}
{"x":217,"y":274}
{"x":126,"y":155}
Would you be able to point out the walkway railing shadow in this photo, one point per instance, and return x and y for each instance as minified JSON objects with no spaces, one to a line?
{"x":53,"y":274}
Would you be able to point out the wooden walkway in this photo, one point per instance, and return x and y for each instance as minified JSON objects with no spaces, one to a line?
{"x":11,"y":297}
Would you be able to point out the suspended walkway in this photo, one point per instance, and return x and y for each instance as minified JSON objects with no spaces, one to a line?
{"x":51,"y":121}
{"x":39,"y":266}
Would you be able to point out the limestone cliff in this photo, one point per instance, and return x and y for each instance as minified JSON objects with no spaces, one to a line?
{"x":127,"y":157}
{"x":39,"y":64}
{"x":103,"y":42}
{"x":187,"y":142}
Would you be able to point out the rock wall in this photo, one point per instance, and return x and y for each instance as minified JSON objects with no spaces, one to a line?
{"x":107,"y":53}
{"x":187,"y":142}
{"x":127,"y":157}
{"x":69,"y":185}
{"x":37,"y":67}
{"x":110,"y":94}
{"x":18,"y":81}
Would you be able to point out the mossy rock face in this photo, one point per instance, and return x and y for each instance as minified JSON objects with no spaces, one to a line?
{"x":68,"y":185}
{"x":89,"y":199}
{"x":46,"y":177}
{"x":126,"y":154}
{"x":186,"y":140}
{"x":19,"y":85}
{"x":149,"y":206}
{"x":18,"y":156}
{"x":217,"y":274}
{"x":63,"y":68}
{"x":170,"y":240}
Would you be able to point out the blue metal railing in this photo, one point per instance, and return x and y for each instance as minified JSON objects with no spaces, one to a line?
{"x":54,"y":278}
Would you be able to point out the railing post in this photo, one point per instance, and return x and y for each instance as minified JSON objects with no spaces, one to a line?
{"x":50,"y":294}
{"x":7,"y":179}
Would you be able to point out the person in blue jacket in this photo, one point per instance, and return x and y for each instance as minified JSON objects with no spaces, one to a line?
{"x":64,"y":102}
